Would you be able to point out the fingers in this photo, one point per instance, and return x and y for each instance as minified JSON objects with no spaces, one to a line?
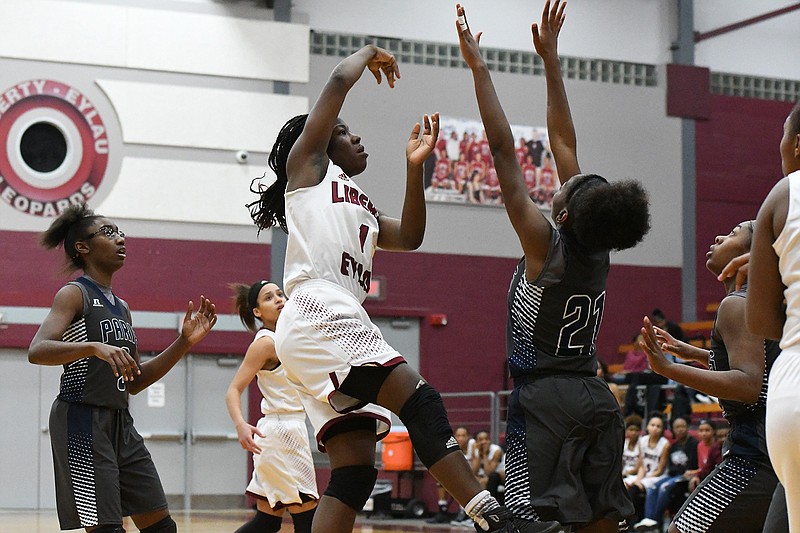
{"x":189,"y":309}
{"x":435,"y":122}
{"x":377,"y":74}
{"x":461,"y":21}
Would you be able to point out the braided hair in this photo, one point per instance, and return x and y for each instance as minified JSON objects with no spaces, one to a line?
{"x":67,"y":229}
{"x":609,"y":216}
{"x":270,"y":208}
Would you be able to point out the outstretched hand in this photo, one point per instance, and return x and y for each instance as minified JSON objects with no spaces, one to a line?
{"x":384,"y":62}
{"x":470,"y":46}
{"x":196,"y":327}
{"x":545,"y":35}
{"x":654,"y":346}
{"x":419,"y":147}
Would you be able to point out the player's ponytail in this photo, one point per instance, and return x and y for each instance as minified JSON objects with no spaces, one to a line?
{"x":270,"y":209}
{"x":242,"y":305}
{"x":67,"y":229}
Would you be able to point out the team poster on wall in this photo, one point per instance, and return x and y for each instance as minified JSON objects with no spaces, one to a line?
{"x":461,"y":170}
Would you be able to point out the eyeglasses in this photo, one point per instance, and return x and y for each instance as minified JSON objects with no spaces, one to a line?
{"x":108,"y":231}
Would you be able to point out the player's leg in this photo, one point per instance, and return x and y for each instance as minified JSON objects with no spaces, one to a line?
{"x":350,"y":444}
{"x":303,"y":516}
{"x":422,"y":411}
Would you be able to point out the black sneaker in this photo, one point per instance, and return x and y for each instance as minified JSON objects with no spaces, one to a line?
{"x":530,"y":526}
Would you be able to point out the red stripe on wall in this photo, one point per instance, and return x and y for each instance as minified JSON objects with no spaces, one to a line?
{"x":738,"y":162}
{"x":466,"y":354}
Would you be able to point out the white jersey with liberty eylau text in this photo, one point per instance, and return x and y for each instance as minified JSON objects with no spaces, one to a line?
{"x":333,"y":233}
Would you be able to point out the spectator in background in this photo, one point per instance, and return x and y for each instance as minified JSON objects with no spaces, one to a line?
{"x":631,"y":452}
{"x":654,"y":453}
{"x":681,"y":466}
{"x":709,"y":452}
{"x":486,"y":458}
{"x":671,"y":327}
{"x":636,"y":372}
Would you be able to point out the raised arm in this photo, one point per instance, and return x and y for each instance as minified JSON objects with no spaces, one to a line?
{"x":308,"y":160}
{"x":765,"y":301}
{"x":560,"y":129}
{"x":407,"y":232}
{"x":194,"y":328}
{"x":260,"y":354}
{"x":532,"y":227}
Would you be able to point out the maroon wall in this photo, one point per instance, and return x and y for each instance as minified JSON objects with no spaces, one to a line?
{"x":466,"y":354}
{"x":738,"y":162}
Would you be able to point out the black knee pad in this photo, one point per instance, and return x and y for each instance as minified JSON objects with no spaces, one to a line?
{"x":262,"y":523}
{"x":109,"y":528}
{"x":425,"y":418}
{"x":165,"y":525}
{"x":352,"y":485}
{"x":302,"y":521}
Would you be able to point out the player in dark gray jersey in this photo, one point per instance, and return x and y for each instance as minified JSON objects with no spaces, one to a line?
{"x":565,"y":430}
{"x":103,"y":469}
{"x":737,"y":494}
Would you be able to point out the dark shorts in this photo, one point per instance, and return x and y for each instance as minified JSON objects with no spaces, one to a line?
{"x":734,"y":497}
{"x":102,"y":469}
{"x":563,"y":460}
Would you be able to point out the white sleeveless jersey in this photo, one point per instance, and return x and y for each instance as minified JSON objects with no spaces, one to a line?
{"x":333,"y":233}
{"x":787,"y":248}
{"x":278,"y":395}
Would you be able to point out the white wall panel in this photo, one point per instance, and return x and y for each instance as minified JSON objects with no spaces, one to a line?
{"x":153,"y":39}
{"x":222,"y":46}
{"x":160,"y":189}
{"x":198,"y":117}
{"x":625,"y":30}
{"x":68,"y":32}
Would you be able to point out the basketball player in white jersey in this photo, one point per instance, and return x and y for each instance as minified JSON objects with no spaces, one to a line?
{"x":283,"y":470}
{"x":348,"y":376}
{"x":773,"y":311}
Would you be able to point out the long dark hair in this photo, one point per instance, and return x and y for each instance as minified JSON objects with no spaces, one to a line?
{"x":270,"y":208}
{"x":609,"y":216}
{"x":67,"y":229}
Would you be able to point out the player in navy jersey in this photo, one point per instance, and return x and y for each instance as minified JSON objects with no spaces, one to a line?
{"x":103,"y":470}
{"x":565,"y":430}
{"x":736,"y":495}
{"x":347,"y":375}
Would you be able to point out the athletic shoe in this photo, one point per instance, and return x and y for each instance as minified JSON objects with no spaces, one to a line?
{"x":528,"y":526}
{"x":645,"y":523}
{"x":501,"y":520}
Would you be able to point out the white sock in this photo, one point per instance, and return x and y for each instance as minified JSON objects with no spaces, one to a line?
{"x":479,"y":504}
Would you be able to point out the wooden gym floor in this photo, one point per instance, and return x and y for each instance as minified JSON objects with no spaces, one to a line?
{"x":215,"y":522}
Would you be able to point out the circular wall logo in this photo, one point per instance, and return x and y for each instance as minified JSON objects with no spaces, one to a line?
{"x":53,"y":147}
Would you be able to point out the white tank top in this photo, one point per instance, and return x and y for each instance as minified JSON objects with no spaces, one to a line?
{"x":651,"y":457}
{"x":333,"y":233}
{"x":787,"y":248}
{"x":278,"y":395}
